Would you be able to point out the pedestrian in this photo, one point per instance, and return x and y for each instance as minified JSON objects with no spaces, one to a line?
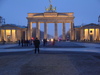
{"x":44,"y":42}
{"x":19,"y":42}
{"x":36,"y":44}
{"x":22,"y":41}
{"x":4,"y":41}
{"x":53,"y":42}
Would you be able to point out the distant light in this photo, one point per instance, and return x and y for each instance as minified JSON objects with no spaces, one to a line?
{"x":48,"y":40}
{"x":32,"y":38}
{"x":42,"y":39}
{"x":51,"y":40}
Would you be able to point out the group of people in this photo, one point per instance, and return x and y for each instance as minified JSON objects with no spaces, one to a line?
{"x":36,"y":43}
{"x":25,"y":42}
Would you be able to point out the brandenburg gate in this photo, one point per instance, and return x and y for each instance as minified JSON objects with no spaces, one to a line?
{"x":50,"y":16}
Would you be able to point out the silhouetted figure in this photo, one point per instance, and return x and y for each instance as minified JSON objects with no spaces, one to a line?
{"x":31,"y":42}
{"x":3,"y":41}
{"x":53,"y":42}
{"x":36,"y":44}
{"x":44,"y":42}
{"x":22,"y":41}
{"x":19,"y":42}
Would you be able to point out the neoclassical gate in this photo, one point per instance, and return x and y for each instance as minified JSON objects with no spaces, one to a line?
{"x":50,"y":17}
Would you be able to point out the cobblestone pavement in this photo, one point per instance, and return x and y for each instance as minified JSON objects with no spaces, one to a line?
{"x":57,"y":45}
{"x":50,"y":64}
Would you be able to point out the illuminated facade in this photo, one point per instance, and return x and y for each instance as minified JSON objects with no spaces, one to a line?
{"x":50,"y":16}
{"x":12,"y":33}
{"x":89,"y":32}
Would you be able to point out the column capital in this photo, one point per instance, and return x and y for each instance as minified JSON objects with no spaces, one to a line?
{"x":72,"y":22}
{"x":45,"y":22}
{"x":38,"y":22}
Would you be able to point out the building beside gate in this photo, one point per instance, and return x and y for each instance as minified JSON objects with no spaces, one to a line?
{"x":88,"y":32}
{"x":12,"y":33}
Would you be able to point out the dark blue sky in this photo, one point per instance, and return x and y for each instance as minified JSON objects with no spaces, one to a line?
{"x":15,"y":11}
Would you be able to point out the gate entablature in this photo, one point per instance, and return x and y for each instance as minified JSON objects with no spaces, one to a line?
{"x":51,"y":17}
{"x":50,"y":14}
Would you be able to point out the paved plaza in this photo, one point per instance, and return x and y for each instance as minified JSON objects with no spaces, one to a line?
{"x":64,"y":58}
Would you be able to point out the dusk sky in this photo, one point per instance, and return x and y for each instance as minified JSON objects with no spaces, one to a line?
{"x":15,"y":11}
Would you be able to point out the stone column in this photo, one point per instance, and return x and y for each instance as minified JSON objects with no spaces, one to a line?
{"x":19,"y":34}
{"x":63,"y":32}
{"x":99,"y":34}
{"x":29,"y":30}
{"x":25,"y":35}
{"x":81,"y":34}
{"x":5,"y":38}
{"x":11,"y":39}
{"x":45,"y":30}
{"x":38,"y":30}
{"x":76,"y":35}
{"x":88,"y":34}
{"x":94,"y":37}
{"x":56,"y":31}
{"x":72,"y":34}
{"x":0,"y":35}
{"x":16,"y":37}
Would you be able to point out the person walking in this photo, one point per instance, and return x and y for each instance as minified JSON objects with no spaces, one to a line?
{"x":22,"y":41}
{"x":19,"y":42}
{"x":36,"y":44}
{"x":53,"y":42}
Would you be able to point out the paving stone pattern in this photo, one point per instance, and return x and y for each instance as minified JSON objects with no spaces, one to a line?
{"x":49,"y":64}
